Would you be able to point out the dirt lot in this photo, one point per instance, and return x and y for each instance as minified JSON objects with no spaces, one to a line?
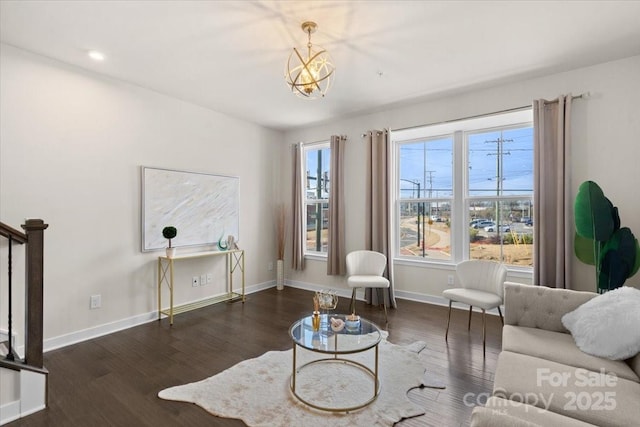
{"x":521,"y":255}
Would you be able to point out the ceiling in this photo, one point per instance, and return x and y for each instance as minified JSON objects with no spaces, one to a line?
{"x":229,"y":56}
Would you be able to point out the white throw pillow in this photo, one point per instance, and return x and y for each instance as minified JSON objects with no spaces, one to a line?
{"x":607,"y":325}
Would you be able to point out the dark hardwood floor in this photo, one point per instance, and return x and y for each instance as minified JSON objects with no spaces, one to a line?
{"x":114,"y":380}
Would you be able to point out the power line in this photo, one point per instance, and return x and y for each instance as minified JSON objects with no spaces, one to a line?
{"x":499,"y":166}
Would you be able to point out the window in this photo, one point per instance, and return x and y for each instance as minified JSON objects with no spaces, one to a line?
{"x":464,"y":190}
{"x":500,"y":192}
{"x":317,"y":162}
{"x":425,"y":190}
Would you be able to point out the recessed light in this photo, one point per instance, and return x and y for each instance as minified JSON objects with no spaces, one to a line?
{"x":96,"y":56}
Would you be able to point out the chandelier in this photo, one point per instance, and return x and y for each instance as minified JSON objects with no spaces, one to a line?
{"x":309,"y":77}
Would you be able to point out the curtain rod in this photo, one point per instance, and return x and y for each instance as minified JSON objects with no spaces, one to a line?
{"x":584,"y":95}
{"x":322,"y":141}
{"x":379,"y":132}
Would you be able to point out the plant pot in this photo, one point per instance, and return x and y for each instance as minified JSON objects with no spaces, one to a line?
{"x":280,"y":274}
{"x":171,"y":252}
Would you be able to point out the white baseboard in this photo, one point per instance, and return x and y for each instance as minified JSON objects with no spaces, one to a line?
{"x":119,"y":325}
{"x":259,"y":287}
{"x":31,"y":387}
{"x":344,"y":293}
{"x":33,"y":392}
{"x":12,"y":411}
{"x":411,"y":296}
{"x":97,"y":331}
{"x":4,"y":336}
{"x":109,"y":328}
{"x":33,"y":410}
{"x":9,"y":412}
{"x":438,"y":300}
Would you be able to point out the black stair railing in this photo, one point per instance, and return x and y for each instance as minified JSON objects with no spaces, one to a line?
{"x":34,"y":308}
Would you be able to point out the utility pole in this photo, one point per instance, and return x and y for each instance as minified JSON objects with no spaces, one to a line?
{"x":430,"y":180}
{"x":424,"y":228}
{"x":319,"y":205}
{"x":430,"y":183}
{"x":321,"y":189}
{"x":499,"y":171}
{"x":499,"y":153}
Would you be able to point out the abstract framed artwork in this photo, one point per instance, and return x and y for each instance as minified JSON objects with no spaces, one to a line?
{"x":203,"y":207}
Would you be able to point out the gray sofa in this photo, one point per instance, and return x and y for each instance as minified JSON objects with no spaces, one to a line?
{"x":544,"y":379}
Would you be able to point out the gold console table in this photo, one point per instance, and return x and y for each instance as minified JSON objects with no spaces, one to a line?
{"x":235,"y":261}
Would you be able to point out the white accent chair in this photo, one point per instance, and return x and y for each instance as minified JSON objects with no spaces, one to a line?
{"x":482,"y":286}
{"x":364,"y":270}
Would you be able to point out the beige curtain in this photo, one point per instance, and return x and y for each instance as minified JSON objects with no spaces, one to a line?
{"x":336,"y":253}
{"x":378,"y":207}
{"x":299,"y":234}
{"x":552,"y":204}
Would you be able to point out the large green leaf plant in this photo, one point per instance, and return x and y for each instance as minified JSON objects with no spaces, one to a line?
{"x":600,"y":241}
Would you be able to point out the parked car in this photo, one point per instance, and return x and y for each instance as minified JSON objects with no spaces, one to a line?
{"x":482,"y":223}
{"x":492,"y":228}
{"x":473,"y":221}
{"x":488,"y":224}
{"x":528,"y":221}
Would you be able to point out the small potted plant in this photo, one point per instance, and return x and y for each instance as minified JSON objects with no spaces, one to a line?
{"x":170,"y":233}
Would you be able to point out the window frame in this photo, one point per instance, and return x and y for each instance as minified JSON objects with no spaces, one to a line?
{"x":460,"y":201}
{"x":397,"y":189}
{"x":306,"y":148}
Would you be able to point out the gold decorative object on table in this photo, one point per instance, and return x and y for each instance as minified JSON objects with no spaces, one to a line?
{"x":352,"y":322}
{"x":337,"y":324}
{"x":327,"y":300}
{"x":315,"y":320}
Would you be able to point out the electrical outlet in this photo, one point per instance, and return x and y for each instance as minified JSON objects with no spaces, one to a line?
{"x":270,"y":266}
{"x":195,"y":281}
{"x":209,"y":278}
{"x":450,"y":279}
{"x":96,"y":301}
{"x":203,"y":280}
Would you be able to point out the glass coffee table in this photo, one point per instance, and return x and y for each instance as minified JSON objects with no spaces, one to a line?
{"x":336,"y":346}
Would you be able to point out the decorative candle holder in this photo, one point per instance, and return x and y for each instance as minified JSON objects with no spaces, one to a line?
{"x":327,"y":300}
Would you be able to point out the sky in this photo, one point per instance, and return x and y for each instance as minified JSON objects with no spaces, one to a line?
{"x":430,"y":163}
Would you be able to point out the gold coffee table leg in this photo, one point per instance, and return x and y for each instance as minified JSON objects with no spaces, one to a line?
{"x":293,"y":374}
{"x":334,"y":359}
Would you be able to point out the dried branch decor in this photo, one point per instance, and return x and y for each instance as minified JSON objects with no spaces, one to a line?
{"x":281,"y":230}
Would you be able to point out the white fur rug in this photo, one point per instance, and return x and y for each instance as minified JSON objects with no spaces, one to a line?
{"x":257,"y":390}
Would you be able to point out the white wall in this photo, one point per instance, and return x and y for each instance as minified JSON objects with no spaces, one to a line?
{"x":71,"y":146}
{"x":72,"y":141}
{"x":606,"y":149}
